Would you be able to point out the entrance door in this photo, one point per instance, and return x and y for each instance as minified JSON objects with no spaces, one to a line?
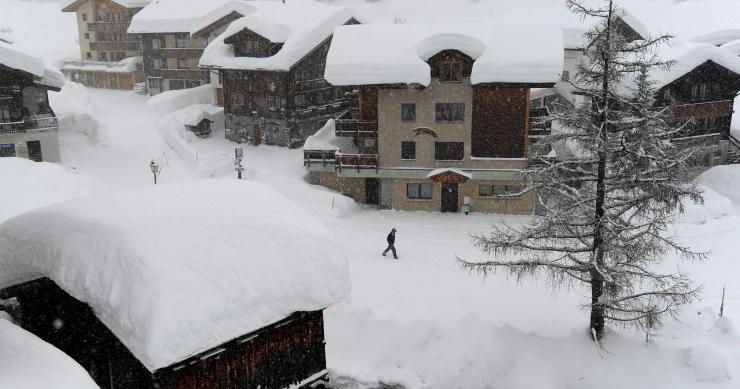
{"x":372,"y":191}
{"x":449,"y":198}
{"x":257,"y":139}
{"x":34,"y":150}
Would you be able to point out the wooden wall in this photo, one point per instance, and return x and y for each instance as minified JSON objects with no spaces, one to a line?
{"x":270,"y":358}
{"x":500,"y":122}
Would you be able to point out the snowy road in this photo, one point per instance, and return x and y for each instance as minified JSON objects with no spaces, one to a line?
{"x":421,"y":321}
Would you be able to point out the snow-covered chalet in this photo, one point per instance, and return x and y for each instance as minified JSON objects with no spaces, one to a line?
{"x":28,"y":125}
{"x":271,"y":62}
{"x":172,"y":286}
{"x":443,"y":113}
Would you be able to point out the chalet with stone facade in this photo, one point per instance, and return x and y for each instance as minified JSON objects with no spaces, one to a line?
{"x":443,"y":113}
{"x":170,"y":51}
{"x":28,"y":126}
{"x":272,"y":64}
{"x":109,"y":57}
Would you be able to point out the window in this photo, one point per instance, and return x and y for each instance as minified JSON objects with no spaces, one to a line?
{"x":253,"y":47}
{"x":87,"y":35}
{"x":449,"y":112}
{"x":182,"y":63}
{"x":103,"y":56}
{"x":84,"y":17}
{"x":195,"y":83}
{"x":156,"y":43}
{"x":566,"y":75}
{"x":703,"y":91}
{"x":156,"y":63}
{"x":498,"y":190}
{"x":181,"y":42}
{"x":419,"y":191}
{"x":408,"y":150}
{"x":450,"y":71}
{"x":408,"y":112}
{"x":666,"y":94}
{"x":273,"y":102}
{"x":88,"y":55}
{"x":694,"y":92}
{"x":449,"y":151}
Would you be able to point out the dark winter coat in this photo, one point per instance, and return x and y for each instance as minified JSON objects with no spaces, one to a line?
{"x":391,"y":238}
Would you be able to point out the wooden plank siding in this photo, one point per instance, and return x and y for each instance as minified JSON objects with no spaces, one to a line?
{"x":274,"y":357}
{"x":500,"y":122}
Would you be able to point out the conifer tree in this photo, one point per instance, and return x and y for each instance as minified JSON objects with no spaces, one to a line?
{"x":606,"y":209}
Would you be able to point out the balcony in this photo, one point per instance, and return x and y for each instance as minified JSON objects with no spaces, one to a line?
{"x":22,"y":126}
{"x":340,"y":161}
{"x":116,"y":27}
{"x":358,"y":128}
{"x":116,"y":46}
{"x":183,"y":52}
{"x":357,"y":161}
{"x":185,"y":74}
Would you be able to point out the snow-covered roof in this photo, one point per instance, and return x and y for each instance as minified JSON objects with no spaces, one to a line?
{"x":30,"y":363}
{"x":504,"y":50}
{"x":15,"y":58}
{"x":4,"y":37}
{"x":439,"y":171}
{"x":718,"y":38}
{"x":126,"y":65}
{"x":172,"y":15}
{"x":299,"y":25}
{"x":72,"y":5}
{"x":174,"y":270}
{"x":242,"y":7}
{"x":732,"y":46}
{"x":194,"y":114}
{"x":687,"y":56}
{"x":574,"y":36}
{"x":327,"y":139}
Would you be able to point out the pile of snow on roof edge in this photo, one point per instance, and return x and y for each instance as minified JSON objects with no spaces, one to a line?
{"x":177,"y":269}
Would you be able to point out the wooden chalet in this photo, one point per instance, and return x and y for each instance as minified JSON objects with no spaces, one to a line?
{"x":446,"y":132}
{"x":28,"y":125}
{"x":273,"y":85}
{"x":109,"y":57}
{"x":175,"y":314}
{"x":281,"y":354}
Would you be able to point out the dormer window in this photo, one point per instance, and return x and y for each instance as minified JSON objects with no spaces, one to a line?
{"x":253,"y":47}
{"x":450,"y":71}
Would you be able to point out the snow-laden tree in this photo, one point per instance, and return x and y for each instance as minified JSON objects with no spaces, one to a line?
{"x":606,"y":208}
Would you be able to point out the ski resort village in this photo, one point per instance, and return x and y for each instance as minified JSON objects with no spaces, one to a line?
{"x":370,"y":194}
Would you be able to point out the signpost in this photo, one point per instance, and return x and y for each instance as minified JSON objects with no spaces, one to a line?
{"x":238,"y":157}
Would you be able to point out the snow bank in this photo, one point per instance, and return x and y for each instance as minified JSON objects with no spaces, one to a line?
{"x":504,"y":50}
{"x":708,"y":364}
{"x":194,"y":114}
{"x":172,"y":15}
{"x":715,"y":206}
{"x":28,"y":362}
{"x":327,"y":139}
{"x":171,"y":101}
{"x":174,"y":270}
{"x":72,"y":105}
{"x":299,"y":25}
{"x":37,"y":184}
{"x":126,"y":65}
{"x":723,"y":180}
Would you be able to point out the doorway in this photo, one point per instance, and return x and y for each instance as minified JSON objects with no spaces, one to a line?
{"x":449,"y":198}
{"x":34,"y":150}
{"x":372,"y":191}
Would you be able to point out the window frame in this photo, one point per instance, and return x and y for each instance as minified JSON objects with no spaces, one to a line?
{"x":449,"y":152}
{"x":420,"y":193}
{"x":449,"y":111}
{"x":180,"y":62}
{"x":412,"y":150}
{"x":181,"y":42}
{"x":447,"y":71}
{"x":408,"y":112}
{"x":499,"y":190}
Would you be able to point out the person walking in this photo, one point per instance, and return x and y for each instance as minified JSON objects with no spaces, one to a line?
{"x":391,"y":243}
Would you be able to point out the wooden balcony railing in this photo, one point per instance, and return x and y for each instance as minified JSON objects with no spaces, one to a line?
{"x":354,"y":127}
{"x":117,"y":27}
{"x":357,"y":161}
{"x":115,"y":46}
{"x":323,"y":157}
{"x":20,"y":127}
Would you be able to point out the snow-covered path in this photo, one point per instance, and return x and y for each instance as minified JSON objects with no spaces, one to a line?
{"x":129,"y":142}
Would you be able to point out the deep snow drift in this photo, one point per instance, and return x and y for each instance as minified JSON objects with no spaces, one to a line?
{"x":27,"y":362}
{"x":177,"y":269}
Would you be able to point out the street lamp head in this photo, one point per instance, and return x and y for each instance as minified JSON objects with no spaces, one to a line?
{"x":154,"y":166}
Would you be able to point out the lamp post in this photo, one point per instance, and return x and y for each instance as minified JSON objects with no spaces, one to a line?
{"x":155,"y":167}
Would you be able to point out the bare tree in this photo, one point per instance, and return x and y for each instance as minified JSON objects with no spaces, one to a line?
{"x":606,"y":209}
